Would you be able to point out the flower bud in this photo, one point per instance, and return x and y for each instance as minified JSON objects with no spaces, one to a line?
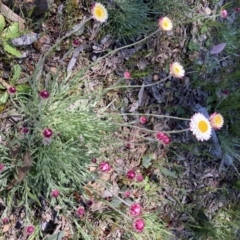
{"x":105,"y":166}
{"x":75,"y":42}
{"x":127,"y":75}
{"x":160,"y":136}
{"x":138,"y":225}
{"x":135,"y":209}
{"x":131,"y":174}
{"x":30,"y":229}
{"x":1,"y":167}
{"x":223,"y":13}
{"x":55,"y":193}
{"x":143,"y":120}
{"x":47,"y":133}
{"x":80,"y":211}
{"x":12,"y":90}
{"x":127,"y":193}
{"x":139,"y":178}
{"x":166,"y":140}
{"x":44,"y":94}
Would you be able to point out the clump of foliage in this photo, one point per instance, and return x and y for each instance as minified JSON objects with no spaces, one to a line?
{"x":6,"y":34}
{"x":128,"y":20}
{"x":6,"y":88}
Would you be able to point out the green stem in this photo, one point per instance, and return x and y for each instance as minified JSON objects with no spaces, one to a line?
{"x":156,"y":115}
{"x":154,"y":131}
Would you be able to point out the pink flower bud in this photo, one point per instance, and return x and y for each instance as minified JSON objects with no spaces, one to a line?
{"x":226,"y":91}
{"x":237,"y":9}
{"x":138,"y":225}
{"x":80,"y":211}
{"x":89,"y":203}
{"x":105,"y":166}
{"x":94,"y":160}
{"x":166,"y":140}
{"x":139,"y":177}
{"x":223,"y":13}
{"x":127,"y":75}
{"x":135,"y":210}
{"x":12,"y":90}
{"x":44,"y":94}
{"x":143,"y":120}
{"x":1,"y":167}
{"x":127,"y":193}
{"x":25,"y":130}
{"x":75,"y":42}
{"x":131,"y":174}
{"x":55,"y":193}
{"x":160,"y":136}
{"x":128,"y":145}
{"x":30,"y":229}
{"x":5,"y":220}
{"x":47,"y":133}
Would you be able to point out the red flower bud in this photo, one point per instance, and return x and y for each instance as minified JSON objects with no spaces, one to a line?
{"x":138,"y":225}
{"x":30,"y":229}
{"x":105,"y":166}
{"x":44,"y":94}
{"x":127,"y":75}
{"x":143,"y":120}
{"x":55,"y":193}
{"x":12,"y":90}
{"x":131,"y":174}
{"x":47,"y":133}
{"x":135,"y":209}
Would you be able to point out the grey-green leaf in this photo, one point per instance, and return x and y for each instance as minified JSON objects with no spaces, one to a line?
{"x":11,"y":31}
{"x":16,"y":74}
{"x":2,"y":23}
{"x":3,"y":98}
{"x":12,"y":50}
{"x":167,"y":172}
{"x":115,"y":202}
{"x":56,"y":236}
{"x":146,"y":160}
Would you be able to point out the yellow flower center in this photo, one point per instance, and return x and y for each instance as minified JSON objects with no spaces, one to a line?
{"x":202,"y":126}
{"x":166,"y":24}
{"x":218,"y":120}
{"x":176,"y":70}
{"x":98,"y":12}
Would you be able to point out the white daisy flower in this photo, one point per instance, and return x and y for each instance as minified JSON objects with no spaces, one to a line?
{"x":177,"y":70}
{"x":99,"y":12}
{"x":216,"y":120}
{"x":200,"y":127}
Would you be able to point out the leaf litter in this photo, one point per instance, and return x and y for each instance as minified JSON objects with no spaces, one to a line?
{"x":138,"y":155}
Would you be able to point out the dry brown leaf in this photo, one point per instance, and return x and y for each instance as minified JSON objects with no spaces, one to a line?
{"x":6,"y":228}
{"x":8,"y":13}
{"x":22,"y":171}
